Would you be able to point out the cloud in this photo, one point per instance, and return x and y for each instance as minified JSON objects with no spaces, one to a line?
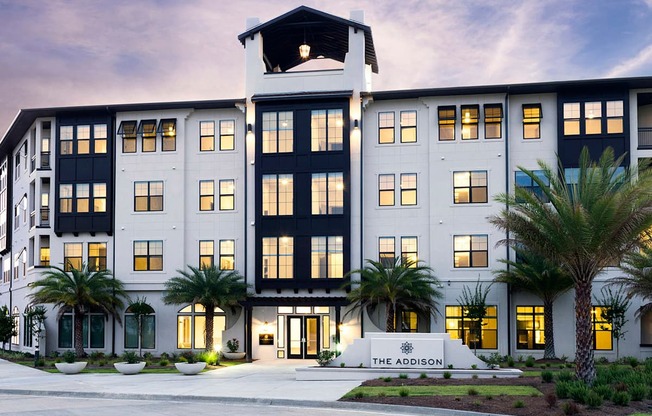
{"x":642,"y":62}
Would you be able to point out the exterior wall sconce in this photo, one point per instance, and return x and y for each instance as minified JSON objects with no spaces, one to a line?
{"x":250,"y":128}
{"x":356,"y":124}
{"x":304,"y":50}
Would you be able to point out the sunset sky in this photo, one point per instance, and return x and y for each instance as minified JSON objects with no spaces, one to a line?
{"x":60,"y":53}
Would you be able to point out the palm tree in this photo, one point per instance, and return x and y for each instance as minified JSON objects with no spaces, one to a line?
{"x":210,"y":287}
{"x":81,"y":291}
{"x":139,"y":308}
{"x":586,"y":227}
{"x":638,"y":279}
{"x":406,"y":285}
{"x":547,"y":281}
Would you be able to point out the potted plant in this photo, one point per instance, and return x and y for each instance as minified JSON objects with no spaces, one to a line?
{"x":190,"y":364}
{"x":131,"y":363}
{"x":232,"y":354}
{"x":70,"y":366}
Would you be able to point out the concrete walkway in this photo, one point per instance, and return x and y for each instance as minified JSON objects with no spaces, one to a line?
{"x":258,"y":383}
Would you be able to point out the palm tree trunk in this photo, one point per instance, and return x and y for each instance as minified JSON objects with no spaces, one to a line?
{"x":548,"y":332}
{"x":140,"y":335}
{"x":79,"y":334}
{"x":584,"y":364}
{"x":391,"y":316}
{"x":210,"y":313}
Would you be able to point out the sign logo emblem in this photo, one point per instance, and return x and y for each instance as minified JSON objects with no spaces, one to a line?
{"x":406,"y":348}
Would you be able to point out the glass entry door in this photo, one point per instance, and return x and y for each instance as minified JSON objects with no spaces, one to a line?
{"x":303,"y":336}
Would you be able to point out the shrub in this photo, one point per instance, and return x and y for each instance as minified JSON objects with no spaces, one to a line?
{"x":188,"y":356}
{"x":578,"y":392}
{"x":632,"y":361}
{"x":96,"y":355}
{"x":450,"y":366}
{"x":209,"y":357}
{"x":54,"y":354}
{"x":489,"y":397}
{"x":342,"y":365}
{"x":233,"y":345}
{"x":164,"y":362}
{"x":519,"y":404}
{"x":447,"y":375}
{"x":562,"y":389}
{"x":404,"y":392}
{"x":472,"y":391}
{"x":357,"y":395}
{"x":40,"y":362}
{"x":638,"y":392}
{"x":324,"y":357}
{"x":604,"y":391}
{"x":130,"y":357}
{"x":564,"y":376}
{"x":423,"y":375}
{"x":474,"y":366}
{"x":529,"y":361}
{"x":570,"y":365}
{"x":593,"y":399}
{"x":551,"y":399}
{"x":69,"y":357}
{"x":387,"y":379}
{"x":510,"y":361}
{"x":570,"y":408}
{"x":620,"y":398}
{"x":148,"y":356}
{"x":546,"y":376}
{"x":403,"y":376}
{"x":102,"y":363}
{"x":602,"y":361}
{"x":620,"y":386}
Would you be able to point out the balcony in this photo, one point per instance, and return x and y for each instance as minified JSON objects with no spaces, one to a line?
{"x":45,"y":217}
{"x":45,"y":160}
{"x":645,"y":138}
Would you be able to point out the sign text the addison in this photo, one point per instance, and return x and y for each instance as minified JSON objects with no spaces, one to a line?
{"x":407,"y":353}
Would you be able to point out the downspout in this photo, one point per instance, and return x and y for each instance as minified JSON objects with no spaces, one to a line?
{"x":507,"y":176}
{"x":113,"y":122}
{"x":247,"y":338}
{"x":361,"y":129}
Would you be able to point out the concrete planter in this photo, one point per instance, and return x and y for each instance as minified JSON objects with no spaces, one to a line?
{"x":71,"y":368}
{"x":233,"y":355}
{"x":126,"y":368}
{"x":190,"y":369}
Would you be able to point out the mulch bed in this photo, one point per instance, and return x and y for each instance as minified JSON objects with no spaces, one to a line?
{"x":533,"y":406}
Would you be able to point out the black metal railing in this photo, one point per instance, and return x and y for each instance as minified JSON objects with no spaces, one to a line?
{"x":645,"y":138}
{"x":45,"y":217}
{"x":45,"y":160}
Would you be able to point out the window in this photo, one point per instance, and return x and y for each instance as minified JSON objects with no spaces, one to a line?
{"x":408,"y":126}
{"x":593,"y":117}
{"x":147,"y":338}
{"x":148,"y":196}
{"x":602,"y":330}
{"x":278,"y":257}
{"x":614,"y":117}
{"x":227,"y":134}
{"x":532,"y":121}
{"x":386,"y":190}
{"x":227,"y":195}
{"x":206,"y":254}
{"x":147,"y":130}
{"x":327,"y":257}
{"x":83,"y":140}
{"x":524,"y":181}
{"x":168,"y":130}
{"x":470,"y":251}
{"x":65,"y":140}
{"x":206,"y":195}
{"x":206,"y":136}
{"x":128,"y":131}
{"x":44,"y":256}
{"x":83,"y":197}
{"x":447,"y":119}
{"x":65,"y":198}
{"x":407,"y":321}
{"x":278,"y":132}
{"x":493,"y":118}
{"x":386,"y":127}
{"x":327,"y":193}
{"x":96,"y":256}
{"x":470,"y":187}
{"x":278,"y":195}
{"x":227,"y":254}
{"x":191,"y":327}
{"x":148,"y":255}
{"x":408,"y":188}
{"x":529,"y":328}
{"x":470,"y":122}
{"x":72,"y":256}
{"x":571,"y":119}
{"x":17,"y":166}
{"x":459,"y":326}
{"x":327,"y":130}
{"x":99,"y":138}
{"x":386,"y":251}
{"x":409,"y":250}
{"x":15,"y":315}
{"x":99,"y":197}
{"x":92,"y":330}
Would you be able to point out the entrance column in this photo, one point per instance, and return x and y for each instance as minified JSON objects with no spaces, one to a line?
{"x":248,"y":333}
{"x":337,"y":325}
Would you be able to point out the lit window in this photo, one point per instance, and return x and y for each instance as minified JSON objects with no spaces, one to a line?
{"x":278,"y":132}
{"x":83,"y":197}
{"x":65,"y":140}
{"x":227,"y":254}
{"x":472,"y":333}
{"x":148,"y":255}
{"x":168,"y":130}
{"x":206,"y":253}
{"x":386,"y":190}
{"x":227,"y":195}
{"x":470,"y":251}
{"x":72,"y":256}
{"x":99,"y":138}
{"x":408,"y":188}
{"x":530,"y":328}
{"x":326,"y":127}
{"x":470,"y":122}
{"x":408,"y":126}
{"x":446,"y":123}
{"x":386,"y":251}
{"x":96,"y":256}
{"x":532,"y":121}
{"x":470,"y":187}
{"x":148,"y":196}
{"x":206,"y":195}
{"x":278,"y":194}
{"x":407,"y":321}
{"x":65,"y":198}
{"x":83,"y":140}
{"x":206,"y":136}
{"x":147,"y":130}
{"x":493,"y":119}
{"x":386,"y":127}
{"x":278,"y":257}
{"x":571,"y":119}
{"x":614,"y":117}
{"x":227,"y":134}
{"x":99,"y":197}
{"x":327,"y":193}
{"x":128,"y":132}
{"x":44,"y":256}
{"x":409,"y":250}
{"x":593,"y":117}
{"x":327,"y":257}
{"x":191,"y":327}
{"x":602,"y":330}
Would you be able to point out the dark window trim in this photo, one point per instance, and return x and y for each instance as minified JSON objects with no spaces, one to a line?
{"x":532,"y":120}
{"x":473,"y":121}
{"x":446,"y":121}
{"x":489,"y":121}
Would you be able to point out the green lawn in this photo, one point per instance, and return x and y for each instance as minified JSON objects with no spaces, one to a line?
{"x":444,"y":391}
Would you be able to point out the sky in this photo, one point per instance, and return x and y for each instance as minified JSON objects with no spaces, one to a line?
{"x":84,"y":52}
